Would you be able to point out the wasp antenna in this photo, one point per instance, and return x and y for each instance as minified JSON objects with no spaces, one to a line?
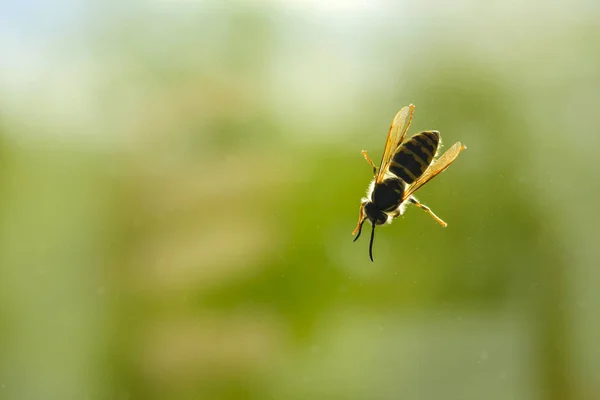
{"x":359,"y":230}
{"x":371,"y":243}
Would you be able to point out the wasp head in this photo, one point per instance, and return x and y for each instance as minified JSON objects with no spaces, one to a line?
{"x":376,"y":217}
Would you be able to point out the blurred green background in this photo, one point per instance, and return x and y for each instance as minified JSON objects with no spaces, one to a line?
{"x":179,"y":181}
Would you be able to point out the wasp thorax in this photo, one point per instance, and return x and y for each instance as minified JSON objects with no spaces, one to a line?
{"x":375,"y":215}
{"x":387,"y":195}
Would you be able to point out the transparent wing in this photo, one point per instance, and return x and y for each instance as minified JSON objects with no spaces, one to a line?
{"x":438,"y":166}
{"x":395,"y":137}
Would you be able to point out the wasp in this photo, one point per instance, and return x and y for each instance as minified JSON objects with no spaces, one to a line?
{"x":405,"y":167}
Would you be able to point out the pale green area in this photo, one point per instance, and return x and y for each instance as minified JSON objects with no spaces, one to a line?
{"x":178,"y":184}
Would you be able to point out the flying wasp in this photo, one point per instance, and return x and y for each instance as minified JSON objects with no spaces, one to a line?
{"x":405,"y":167}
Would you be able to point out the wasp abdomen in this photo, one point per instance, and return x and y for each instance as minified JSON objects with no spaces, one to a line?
{"x":414,"y":156}
{"x":387,"y":195}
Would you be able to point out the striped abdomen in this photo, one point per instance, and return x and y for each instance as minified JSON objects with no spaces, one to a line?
{"x":414,"y":156}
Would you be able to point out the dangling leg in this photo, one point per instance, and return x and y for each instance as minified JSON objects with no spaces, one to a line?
{"x":424,"y":207}
{"x":361,"y":221}
{"x":364,"y":153}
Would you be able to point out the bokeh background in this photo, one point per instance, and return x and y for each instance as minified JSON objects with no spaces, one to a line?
{"x":179,"y":181}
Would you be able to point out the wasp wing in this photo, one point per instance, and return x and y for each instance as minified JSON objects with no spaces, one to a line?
{"x":438,"y":166}
{"x":395,"y":137}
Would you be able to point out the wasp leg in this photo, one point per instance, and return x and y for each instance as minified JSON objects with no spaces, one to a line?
{"x":361,"y":220}
{"x":428,"y":210}
{"x":364,"y":153}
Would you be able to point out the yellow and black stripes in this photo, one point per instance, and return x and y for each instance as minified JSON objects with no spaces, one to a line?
{"x":414,"y":156}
